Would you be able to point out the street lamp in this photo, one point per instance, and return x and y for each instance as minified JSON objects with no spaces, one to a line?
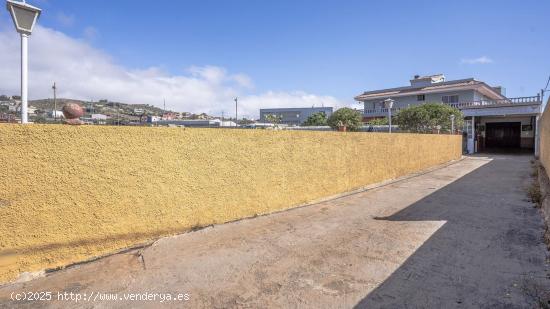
{"x":388,"y":103}
{"x":24,"y":17}
{"x":452,"y":124}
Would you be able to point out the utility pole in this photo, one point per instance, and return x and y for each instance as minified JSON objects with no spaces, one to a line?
{"x":164,"y":111}
{"x":236,"y":111}
{"x":54,"y":103}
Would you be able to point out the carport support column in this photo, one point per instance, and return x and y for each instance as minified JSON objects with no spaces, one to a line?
{"x":471,"y":135}
{"x":537,"y":137}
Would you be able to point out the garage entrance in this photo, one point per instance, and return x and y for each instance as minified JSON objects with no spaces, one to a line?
{"x":503,"y":135}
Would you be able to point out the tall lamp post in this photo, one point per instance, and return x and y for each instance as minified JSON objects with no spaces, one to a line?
{"x":388,"y":103}
{"x":24,"y":17}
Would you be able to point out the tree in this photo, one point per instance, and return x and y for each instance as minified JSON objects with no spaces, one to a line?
{"x":425,"y":118}
{"x":316,"y":119}
{"x":272,"y":118}
{"x":379,"y":121}
{"x":347,"y":117}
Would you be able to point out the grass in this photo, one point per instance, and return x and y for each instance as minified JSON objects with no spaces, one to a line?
{"x":534,"y":193}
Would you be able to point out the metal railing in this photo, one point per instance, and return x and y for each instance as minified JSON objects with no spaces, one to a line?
{"x":381,"y":110}
{"x":507,"y":101}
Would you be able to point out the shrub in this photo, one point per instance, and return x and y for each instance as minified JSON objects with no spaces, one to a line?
{"x":316,"y":119}
{"x":378,"y":122}
{"x":535,"y":196}
{"x":425,"y":118}
{"x":347,"y":117}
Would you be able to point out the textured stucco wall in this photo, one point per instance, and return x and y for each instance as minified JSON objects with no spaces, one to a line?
{"x":544,"y":157}
{"x":68,"y":193}
{"x":544,"y":131}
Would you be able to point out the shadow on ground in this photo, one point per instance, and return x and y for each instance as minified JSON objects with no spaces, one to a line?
{"x":492,"y":259}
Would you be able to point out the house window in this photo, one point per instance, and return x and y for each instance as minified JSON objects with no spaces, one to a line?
{"x":448,"y":99}
{"x":420,"y":97}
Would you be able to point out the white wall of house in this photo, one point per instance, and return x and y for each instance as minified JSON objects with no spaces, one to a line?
{"x":406,"y":101}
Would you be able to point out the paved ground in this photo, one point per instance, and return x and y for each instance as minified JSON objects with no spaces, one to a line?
{"x":461,"y":236}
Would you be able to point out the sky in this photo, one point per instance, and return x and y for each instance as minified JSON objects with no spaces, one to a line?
{"x":199,"y":55}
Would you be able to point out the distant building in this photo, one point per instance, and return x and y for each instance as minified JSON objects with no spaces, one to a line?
{"x":153,"y":119}
{"x":293,"y":116}
{"x":139,"y":111}
{"x":57,"y":114}
{"x":169,"y":116}
{"x":95,"y":119}
{"x":200,"y":116}
{"x":99,"y":118}
{"x":5,"y":117}
{"x":227,"y":123}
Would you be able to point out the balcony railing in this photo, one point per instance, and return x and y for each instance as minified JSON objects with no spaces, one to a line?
{"x":472,"y":104}
{"x":381,"y":110}
{"x":503,"y":102}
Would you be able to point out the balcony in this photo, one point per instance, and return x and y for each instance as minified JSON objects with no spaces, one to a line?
{"x":513,"y":103}
{"x":535,"y":100}
{"x":380,"y":111}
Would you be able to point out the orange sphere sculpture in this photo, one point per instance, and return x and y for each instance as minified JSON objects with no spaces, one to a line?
{"x":72,"y":112}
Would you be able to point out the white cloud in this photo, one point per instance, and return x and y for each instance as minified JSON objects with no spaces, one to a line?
{"x":479,"y":60}
{"x":84,"y":72}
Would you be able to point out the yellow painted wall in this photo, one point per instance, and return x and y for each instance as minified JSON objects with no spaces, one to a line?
{"x":69,"y":193}
{"x":544,"y":150}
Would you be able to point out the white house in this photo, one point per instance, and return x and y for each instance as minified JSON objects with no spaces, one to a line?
{"x":492,"y":120}
{"x":57,"y":114}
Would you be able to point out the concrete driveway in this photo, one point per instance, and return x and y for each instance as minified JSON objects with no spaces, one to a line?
{"x":461,"y":236}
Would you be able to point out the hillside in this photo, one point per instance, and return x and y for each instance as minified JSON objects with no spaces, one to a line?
{"x":101,"y":107}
